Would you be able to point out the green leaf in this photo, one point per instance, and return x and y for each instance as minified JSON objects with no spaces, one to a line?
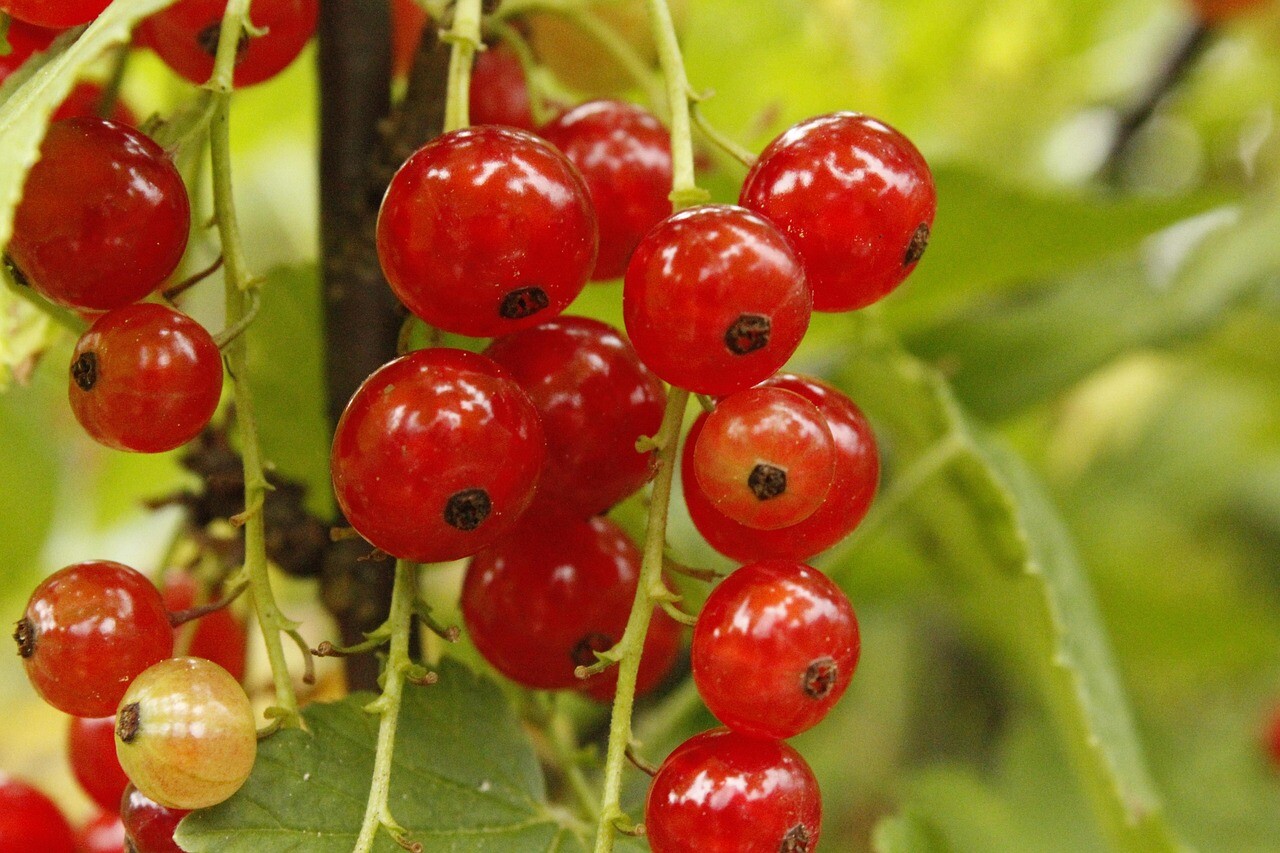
{"x":465,"y":778}
{"x":908,"y":833}
{"x":25,"y":112}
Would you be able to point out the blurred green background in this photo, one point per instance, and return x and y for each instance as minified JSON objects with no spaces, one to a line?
{"x":1077,"y":396}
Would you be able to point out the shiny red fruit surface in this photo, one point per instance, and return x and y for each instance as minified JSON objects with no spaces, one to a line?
{"x":499,"y":94}
{"x":856,"y":200}
{"x":436,"y":455}
{"x":219,"y":636}
{"x":54,"y":13}
{"x":87,"y":631}
{"x":103,"y":834}
{"x":540,"y":602}
{"x":722,"y":792}
{"x":91,"y":750}
{"x":624,"y":154}
{"x":774,"y":648}
{"x":103,"y":219}
{"x":29,"y":820}
{"x":149,"y":825}
{"x":852,"y":488}
{"x":485,"y":231}
{"x":714,"y":300}
{"x":145,"y":378}
{"x":595,"y":398}
{"x":185,"y":36}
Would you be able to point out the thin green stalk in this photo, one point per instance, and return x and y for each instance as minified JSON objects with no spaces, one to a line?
{"x":630,"y":646}
{"x":685,"y":191}
{"x":377,"y":812}
{"x":464,"y":35}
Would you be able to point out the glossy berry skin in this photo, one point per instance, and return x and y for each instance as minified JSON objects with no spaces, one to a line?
{"x":30,"y":821}
{"x":54,"y":13}
{"x":185,"y":733}
{"x":185,"y":36}
{"x":595,"y":398}
{"x":722,"y":792}
{"x":856,"y":200}
{"x":774,"y":648}
{"x":103,"y":219}
{"x":852,"y":488}
{"x":103,"y":834}
{"x":91,"y":751}
{"x":24,"y":40}
{"x":714,"y":300}
{"x":149,"y":825}
{"x":624,"y":154}
{"x":145,"y":378}
{"x":765,"y":458}
{"x":499,"y":94}
{"x":218,"y":636}
{"x":88,"y":630}
{"x":485,"y":231}
{"x":437,"y":455}
{"x":540,"y":602}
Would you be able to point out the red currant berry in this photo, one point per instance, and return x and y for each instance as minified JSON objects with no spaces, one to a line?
{"x":624,"y":154}
{"x":657,"y":657}
{"x":485,"y":231}
{"x":542,"y":601}
{"x":30,"y":821}
{"x":722,"y":792}
{"x":437,"y":455}
{"x":185,"y":36}
{"x":765,"y":458}
{"x":148,"y":825}
{"x":499,"y":94}
{"x":103,"y":834}
{"x":54,"y":13}
{"x":219,"y":636}
{"x":87,"y":631}
{"x":408,"y":20}
{"x":24,"y":41}
{"x":856,"y":200}
{"x":714,"y":300}
{"x":774,"y":648}
{"x":84,"y":102}
{"x":847,"y":501}
{"x":145,"y":378}
{"x":91,"y":750}
{"x":595,"y":399}
{"x":185,"y":733}
{"x":103,"y":218}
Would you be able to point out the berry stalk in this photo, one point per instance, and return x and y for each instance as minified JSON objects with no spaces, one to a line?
{"x":464,"y":37}
{"x":685,"y":191}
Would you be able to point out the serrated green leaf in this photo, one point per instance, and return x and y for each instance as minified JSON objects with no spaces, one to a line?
{"x":25,"y":112}
{"x":465,"y":780}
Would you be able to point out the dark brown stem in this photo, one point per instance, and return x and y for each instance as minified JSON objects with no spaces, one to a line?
{"x":182,"y":617}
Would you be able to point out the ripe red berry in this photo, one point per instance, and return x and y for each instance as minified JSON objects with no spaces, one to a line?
{"x":218,"y":636}
{"x":86,"y":99}
{"x":185,"y":36}
{"x":765,"y":457}
{"x":87,"y":631}
{"x":722,"y":792}
{"x":624,"y":154}
{"x":856,"y":200}
{"x":714,"y":300}
{"x":499,"y":93}
{"x":145,"y":378}
{"x":437,"y":455}
{"x":103,"y":834}
{"x":485,"y":231}
{"x":774,"y":648}
{"x":103,"y":218}
{"x":30,"y":821}
{"x":24,"y":40}
{"x":847,"y":502}
{"x":542,"y":601}
{"x":91,"y":751}
{"x":148,"y":825}
{"x":595,"y":398}
{"x":54,"y":13}
{"x":408,"y":19}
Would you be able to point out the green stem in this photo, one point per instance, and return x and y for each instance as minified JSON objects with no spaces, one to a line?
{"x":685,"y":191}
{"x":465,"y":38}
{"x":632,"y":643}
{"x":377,"y":810}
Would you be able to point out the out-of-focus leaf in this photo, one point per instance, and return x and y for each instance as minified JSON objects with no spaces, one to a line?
{"x":25,"y":333}
{"x":909,"y":833}
{"x":29,"y":472}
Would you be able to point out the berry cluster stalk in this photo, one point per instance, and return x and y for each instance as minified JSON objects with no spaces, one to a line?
{"x":239,"y":285}
{"x":464,"y":37}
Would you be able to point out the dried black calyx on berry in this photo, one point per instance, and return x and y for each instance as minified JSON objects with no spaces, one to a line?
{"x":209,"y":37}
{"x":797,"y":840}
{"x":584,"y":653}
{"x":25,"y":636}
{"x":919,"y":242}
{"x":524,"y":302}
{"x":820,"y":678}
{"x":748,"y":333}
{"x":767,"y":481}
{"x":127,"y":722}
{"x":467,"y":509}
{"x":84,"y":370}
